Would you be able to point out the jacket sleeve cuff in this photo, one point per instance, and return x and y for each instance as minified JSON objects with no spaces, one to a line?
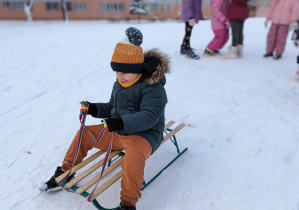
{"x":222,"y":19}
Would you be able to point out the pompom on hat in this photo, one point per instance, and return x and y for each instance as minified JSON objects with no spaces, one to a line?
{"x":128,"y":55}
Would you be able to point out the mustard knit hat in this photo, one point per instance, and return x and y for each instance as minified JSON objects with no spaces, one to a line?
{"x":128,"y":55}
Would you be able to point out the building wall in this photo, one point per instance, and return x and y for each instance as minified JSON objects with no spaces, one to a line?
{"x":11,"y":14}
{"x":93,"y":12}
{"x":262,"y":11}
{"x":207,"y":11}
{"x":39,"y":12}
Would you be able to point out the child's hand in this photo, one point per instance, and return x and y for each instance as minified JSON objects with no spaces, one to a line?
{"x":296,"y":43}
{"x":114,"y":124}
{"x":192,"y":22}
{"x":227,"y":23}
{"x":92,"y":109}
{"x":266,"y":23}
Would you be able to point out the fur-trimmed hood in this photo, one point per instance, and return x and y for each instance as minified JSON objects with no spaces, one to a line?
{"x":161,"y":69}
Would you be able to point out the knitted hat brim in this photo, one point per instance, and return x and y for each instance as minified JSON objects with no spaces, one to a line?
{"x":127,"y":67}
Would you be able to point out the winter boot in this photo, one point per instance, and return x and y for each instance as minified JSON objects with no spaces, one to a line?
{"x":183,"y":50}
{"x":232,"y":54}
{"x":208,"y":52}
{"x":240,"y":50}
{"x":268,"y":54}
{"x":296,"y":77}
{"x":191,"y":54}
{"x":277,"y":57}
{"x":51,"y":185}
{"x":123,"y":207}
{"x":217,"y":52}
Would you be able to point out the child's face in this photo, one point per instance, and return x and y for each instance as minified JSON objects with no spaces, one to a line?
{"x":126,"y":78}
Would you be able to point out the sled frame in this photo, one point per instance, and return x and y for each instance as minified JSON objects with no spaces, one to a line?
{"x":113,"y":163}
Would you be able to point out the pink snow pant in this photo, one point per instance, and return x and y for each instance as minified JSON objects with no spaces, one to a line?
{"x":137,"y":148}
{"x":221,"y":37}
{"x":276,"y":38}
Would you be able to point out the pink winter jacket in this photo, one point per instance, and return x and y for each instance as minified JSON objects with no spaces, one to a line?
{"x":219,"y":13}
{"x":283,"y":12}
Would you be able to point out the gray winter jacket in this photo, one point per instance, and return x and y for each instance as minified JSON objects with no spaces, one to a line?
{"x":142,"y":105}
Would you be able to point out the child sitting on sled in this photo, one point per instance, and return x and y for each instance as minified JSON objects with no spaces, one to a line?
{"x":134,"y":115}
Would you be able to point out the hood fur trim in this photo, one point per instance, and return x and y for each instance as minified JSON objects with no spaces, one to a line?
{"x":162,"y":69}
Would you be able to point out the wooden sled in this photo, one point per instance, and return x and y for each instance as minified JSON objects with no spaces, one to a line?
{"x":115,"y":160}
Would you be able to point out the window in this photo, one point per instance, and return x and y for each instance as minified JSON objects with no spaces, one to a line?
{"x":112,"y":7}
{"x":68,"y":6}
{"x":154,"y":7}
{"x":51,"y":6}
{"x":121,"y":7}
{"x":17,"y":5}
{"x":103,"y":7}
{"x":5,"y":5}
{"x":80,"y":6}
{"x":165,"y":7}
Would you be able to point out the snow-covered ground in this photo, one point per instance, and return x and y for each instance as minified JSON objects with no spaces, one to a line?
{"x":241,"y":115}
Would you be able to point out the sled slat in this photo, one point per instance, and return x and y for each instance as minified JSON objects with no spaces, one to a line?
{"x":107,"y":184}
{"x":89,"y":170}
{"x":173,"y":132}
{"x":170,"y":123}
{"x":97,"y":177}
{"x":81,"y":165}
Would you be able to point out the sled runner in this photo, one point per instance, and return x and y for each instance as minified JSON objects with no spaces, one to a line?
{"x":115,"y":159}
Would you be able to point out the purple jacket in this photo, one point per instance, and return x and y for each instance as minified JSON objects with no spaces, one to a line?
{"x":191,"y":9}
{"x":219,"y":13}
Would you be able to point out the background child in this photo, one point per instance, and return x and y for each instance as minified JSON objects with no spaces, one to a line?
{"x":238,"y":12}
{"x":295,"y":38}
{"x":135,"y":113}
{"x":283,"y":15}
{"x":191,"y":14}
{"x":220,"y":26}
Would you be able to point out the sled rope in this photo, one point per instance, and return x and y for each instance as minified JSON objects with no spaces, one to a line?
{"x":82,"y":118}
{"x":89,"y":197}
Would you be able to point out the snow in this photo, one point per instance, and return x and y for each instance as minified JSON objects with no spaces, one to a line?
{"x":241,"y":116}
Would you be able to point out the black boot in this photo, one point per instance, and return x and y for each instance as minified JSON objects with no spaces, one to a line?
{"x":51,"y":185}
{"x":270,"y":54}
{"x":123,"y":207}
{"x":191,"y":54}
{"x":183,"y":50}
{"x":277,"y":57}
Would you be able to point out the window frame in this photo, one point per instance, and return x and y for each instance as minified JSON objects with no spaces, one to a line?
{"x":6,"y":5}
{"x":52,"y":6}
{"x":80,"y":6}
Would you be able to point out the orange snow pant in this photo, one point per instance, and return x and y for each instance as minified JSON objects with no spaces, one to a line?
{"x":137,"y":151}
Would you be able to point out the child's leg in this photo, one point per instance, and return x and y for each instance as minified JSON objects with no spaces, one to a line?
{"x":217,"y":42}
{"x":281,"y":38}
{"x":297,"y":73}
{"x":233,"y":51}
{"x":188,"y":31}
{"x":87,"y":144}
{"x":224,"y":37}
{"x":241,"y":37}
{"x":137,"y":151}
{"x":235,"y":32}
{"x":271,"y":38}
